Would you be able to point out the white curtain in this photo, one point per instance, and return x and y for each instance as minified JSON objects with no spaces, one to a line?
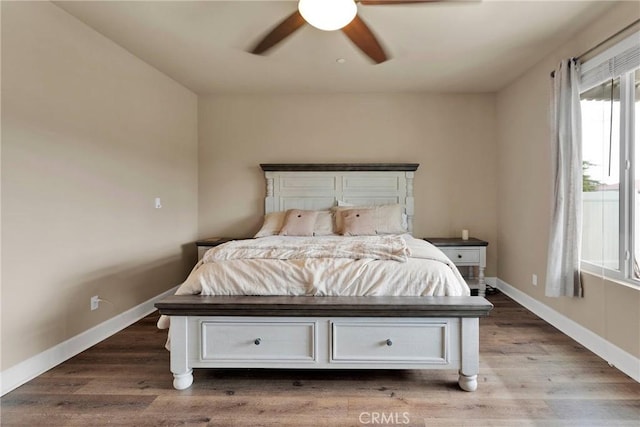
{"x":563,"y":256}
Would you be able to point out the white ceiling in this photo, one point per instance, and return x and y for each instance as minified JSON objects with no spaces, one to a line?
{"x":441,"y":47}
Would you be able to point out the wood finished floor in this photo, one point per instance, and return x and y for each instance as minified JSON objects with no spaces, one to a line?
{"x":530,"y":375}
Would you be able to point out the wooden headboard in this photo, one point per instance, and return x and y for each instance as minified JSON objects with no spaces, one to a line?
{"x":321,"y":186}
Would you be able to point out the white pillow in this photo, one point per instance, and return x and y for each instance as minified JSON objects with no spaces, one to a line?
{"x":324,"y":224}
{"x":389,"y":219}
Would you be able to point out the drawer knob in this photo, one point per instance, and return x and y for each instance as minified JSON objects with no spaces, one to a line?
{"x":389,"y":342}
{"x":459,"y":256}
{"x":257,"y":341}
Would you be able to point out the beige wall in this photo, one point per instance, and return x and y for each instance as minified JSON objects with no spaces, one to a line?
{"x":90,"y":136}
{"x":608,"y":309}
{"x":451,"y":136}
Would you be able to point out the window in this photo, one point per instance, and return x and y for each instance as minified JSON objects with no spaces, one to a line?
{"x":610,"y":98}
{"x":635,"y":226}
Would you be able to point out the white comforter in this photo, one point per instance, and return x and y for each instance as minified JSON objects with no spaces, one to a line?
{"x":328,"y":265}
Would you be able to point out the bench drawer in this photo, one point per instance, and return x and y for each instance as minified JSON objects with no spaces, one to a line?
{"x":258,"y":341}
{"x":402,"y":342}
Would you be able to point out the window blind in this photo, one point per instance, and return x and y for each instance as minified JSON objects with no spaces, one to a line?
{"x":602,"y":68}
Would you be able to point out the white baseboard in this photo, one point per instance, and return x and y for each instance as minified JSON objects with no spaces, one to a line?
{"x":19,"y":374}
{"x":611,"y":353}
{"x":491,"y":281}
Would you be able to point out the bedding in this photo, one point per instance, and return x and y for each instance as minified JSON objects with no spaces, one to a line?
{"x":390,"y":265}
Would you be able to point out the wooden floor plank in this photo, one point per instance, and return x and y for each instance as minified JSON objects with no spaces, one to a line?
{"x":530,"y":375}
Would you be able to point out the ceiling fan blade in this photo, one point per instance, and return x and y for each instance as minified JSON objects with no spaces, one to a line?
{"x":381,"y":2}
{"x":361,"y":36}
{"x":281,"y":31}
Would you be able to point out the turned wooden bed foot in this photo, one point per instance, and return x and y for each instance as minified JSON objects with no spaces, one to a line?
{"x":182,"y":381}
{"x":468,"y":382}
{"x":470,"y":364}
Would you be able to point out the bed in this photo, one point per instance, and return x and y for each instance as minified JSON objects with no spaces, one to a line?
{"x":307,"y":298}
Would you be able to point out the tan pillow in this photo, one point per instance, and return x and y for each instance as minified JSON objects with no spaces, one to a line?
{"x":298,"y":222}
{"x":388,"y":218}
{"x":273,"y":222}
{"x":271,"y":225}
{"x":358,"y":222}
{"x":337,"y":216}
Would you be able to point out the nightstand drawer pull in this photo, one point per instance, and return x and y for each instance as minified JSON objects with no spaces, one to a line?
{"x":389,"y":342}
{"x":459,"y":256}
{"x":257,"y":341}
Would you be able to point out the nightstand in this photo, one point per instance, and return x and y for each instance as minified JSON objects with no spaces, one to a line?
{"x":208,"y":243}
{"x":465,"y":253}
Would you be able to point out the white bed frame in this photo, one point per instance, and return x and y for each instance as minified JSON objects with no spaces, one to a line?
{"x":327,"y":332}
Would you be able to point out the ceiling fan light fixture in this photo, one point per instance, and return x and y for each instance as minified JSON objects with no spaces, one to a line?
{"x":328,"y":15}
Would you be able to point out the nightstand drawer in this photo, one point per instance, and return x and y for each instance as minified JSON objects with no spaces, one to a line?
{"x":389,"y":342}
{"x":246,"y":341}
{"x":461,"y":256}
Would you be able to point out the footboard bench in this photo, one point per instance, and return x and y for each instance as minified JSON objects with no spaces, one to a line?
{"x":324,"y":333}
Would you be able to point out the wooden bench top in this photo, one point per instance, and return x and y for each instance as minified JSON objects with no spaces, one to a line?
{"x":329,"y":306}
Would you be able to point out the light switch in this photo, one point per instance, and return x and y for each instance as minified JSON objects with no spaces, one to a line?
{"x":158,"y":203}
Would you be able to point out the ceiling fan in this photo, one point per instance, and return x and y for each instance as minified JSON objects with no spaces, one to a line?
{"x":344,"y":17}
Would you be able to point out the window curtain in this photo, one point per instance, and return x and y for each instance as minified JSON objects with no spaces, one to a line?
{"x":563,"y":255}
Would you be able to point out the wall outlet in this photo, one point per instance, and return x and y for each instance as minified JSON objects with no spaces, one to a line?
{"x":534,"y":279}
{"x":95,"y":302}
